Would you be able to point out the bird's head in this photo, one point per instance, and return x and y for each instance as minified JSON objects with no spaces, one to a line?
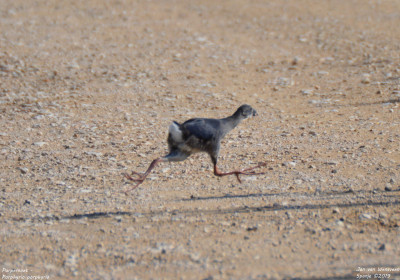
{"x":245,"y":111}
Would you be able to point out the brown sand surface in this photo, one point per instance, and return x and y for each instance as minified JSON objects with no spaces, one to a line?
{"x":89,"y":88}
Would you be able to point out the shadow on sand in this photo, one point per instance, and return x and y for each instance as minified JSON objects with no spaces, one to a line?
{"x":245,"y":209}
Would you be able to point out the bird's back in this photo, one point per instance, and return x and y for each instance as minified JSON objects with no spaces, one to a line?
{"x":201,"y":128}
{"x":195,"y":135}
{"x":204,"y":134}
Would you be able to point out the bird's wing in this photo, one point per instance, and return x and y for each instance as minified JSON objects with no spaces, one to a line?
{"x":205,"y":129}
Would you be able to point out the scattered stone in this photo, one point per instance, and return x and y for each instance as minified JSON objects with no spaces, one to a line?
{"x":307,"y":91}
{"x":385,"y":247}
{"x":303,"y":39}
{"x":38,"y":117}
{"x":103,"y":109}
{"x":284,"y":82}
{"x":388,"y":188}
{"x":96,"y":154}
{"x":165,"y":170}
{"x":339,"y":223}
{"x":118,"y":218}
{"x":253,"y":228}
{"x":40,"y":144}
{"x":365,"y":216}
{"x":322,"y":73}
{"x":331,"y":163}
{"x":366,"y":79}
{"x":327,"y":60}
{"x":296,"y":60}
{"x":23,"y":170}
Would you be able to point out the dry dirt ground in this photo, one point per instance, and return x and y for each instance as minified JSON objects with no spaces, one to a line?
{"x":89,"y":88}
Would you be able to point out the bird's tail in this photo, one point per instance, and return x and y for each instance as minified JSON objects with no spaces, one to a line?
{"x":175,"y":132}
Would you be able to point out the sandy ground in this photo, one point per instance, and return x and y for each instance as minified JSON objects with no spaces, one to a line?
{"x":89,"y":88}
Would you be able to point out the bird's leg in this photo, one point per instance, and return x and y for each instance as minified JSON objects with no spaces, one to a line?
{"x":239,"y":172}
{"x":142,"y":177}
{"x":172,"y":156}
{"x":261,"y":164}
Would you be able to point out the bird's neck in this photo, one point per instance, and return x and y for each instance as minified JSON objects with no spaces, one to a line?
{"x":231,"y":122}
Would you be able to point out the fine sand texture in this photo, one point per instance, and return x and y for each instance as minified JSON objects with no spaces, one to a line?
{"x":88,"y":90}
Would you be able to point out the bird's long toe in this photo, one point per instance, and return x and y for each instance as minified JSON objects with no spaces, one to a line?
{"x":254,"y":167}
{"x":253,"y":173}
{"x":140,"y":175}
{"x":238,"y":177}
{"x":138,"y":179}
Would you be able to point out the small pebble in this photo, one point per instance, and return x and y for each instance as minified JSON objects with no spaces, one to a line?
{"x":384,"y":247}
{"x":388,"y":188}
{"x":365,"y":216}
{"x":306,"y":91}
{"x":254,"y":228}
{"x":365,"y":80}
{"x":40,"y":144}
{"x":339,"y":223}
{"x":23,"y":170}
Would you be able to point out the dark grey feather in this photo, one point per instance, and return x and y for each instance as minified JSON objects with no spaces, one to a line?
{"x":205,"y":134}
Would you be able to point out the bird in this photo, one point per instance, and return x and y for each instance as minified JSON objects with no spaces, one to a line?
{"x":199,"y":135}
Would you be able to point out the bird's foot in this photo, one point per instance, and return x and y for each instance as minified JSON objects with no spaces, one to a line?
{"x":237,"y":173}
{"x":140,"y":178}
{"x":245,"y":171}
{"x":249,"y":171}
{"x":139,"y":175}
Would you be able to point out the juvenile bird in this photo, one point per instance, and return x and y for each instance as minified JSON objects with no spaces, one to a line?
{"x":200,"y":135}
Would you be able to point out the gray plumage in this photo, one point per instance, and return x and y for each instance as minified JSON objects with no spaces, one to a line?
{"x":203,"y":134}
{"x":200,"y":135}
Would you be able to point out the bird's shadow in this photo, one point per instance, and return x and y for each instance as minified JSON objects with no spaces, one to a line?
{"x":317,"y":194}
{"x":360,"y":104}
{"x":383,"y":102}
{"x":240,"y":209}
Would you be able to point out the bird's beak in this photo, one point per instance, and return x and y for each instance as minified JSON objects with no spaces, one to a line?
{"x":255,"y":113}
